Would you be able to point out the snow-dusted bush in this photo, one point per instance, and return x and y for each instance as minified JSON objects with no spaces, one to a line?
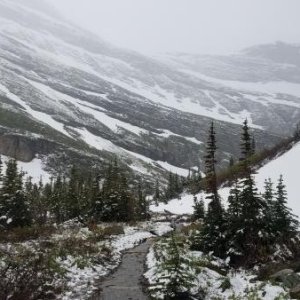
{"x":30,"y":274}
{"x":173,"y":273}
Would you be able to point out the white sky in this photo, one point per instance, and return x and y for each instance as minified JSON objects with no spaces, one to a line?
{"x":197,"y":26}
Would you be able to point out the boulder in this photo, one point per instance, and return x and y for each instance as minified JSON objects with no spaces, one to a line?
{"x":288,"y":278}
{"x":281,"y":274}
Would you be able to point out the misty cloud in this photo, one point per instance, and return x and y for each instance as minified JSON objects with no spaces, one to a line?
{"x":199,"y":26}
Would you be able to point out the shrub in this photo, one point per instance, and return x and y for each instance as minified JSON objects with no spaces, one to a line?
{"x":22,"y":234}
{"x":114,"y":229}
{"x":30,"y":274}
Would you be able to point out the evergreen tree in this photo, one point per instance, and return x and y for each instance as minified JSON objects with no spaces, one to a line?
{"x":1,"y":170}
{"x":126,"y":205}
{"x":234,"y":235}
{"x":214,"y":226}
{"x":170,"y":192}
{"x":157,"y":193}
{"x":20,"y":215}
{"x":142,"y":209}
{"x":14,"y":210}
{"x":234,"y":202}
{"x":36,"y":204}
{"x":199,"y":210}
{"x":253,"y":146}
{"x":46,"y":195}
{"x":119,"y":203}
{"x":8,"y":191}
{"x":103,"y":199}
{"x":253,"y":221}
{"x":231,"y":161}
{"x":175,"y":277}
{"x":269,"y":211}
{"x":246,"y":144}
{"x":112,"y":193}
{"x":286,"y":224}
{"x":57,"y":202}
{"x":97,"y":205}
{"x":189,"y":176}
{"x":73,"y":195}
{"x":248,"y":233}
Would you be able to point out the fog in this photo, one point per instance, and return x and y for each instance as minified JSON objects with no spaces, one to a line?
{"x":196,"y":26}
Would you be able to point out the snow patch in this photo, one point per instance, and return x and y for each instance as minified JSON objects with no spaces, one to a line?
{"x":34,"y":169}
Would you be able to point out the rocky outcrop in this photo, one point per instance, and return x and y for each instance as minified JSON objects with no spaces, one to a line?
{"x":24,"y":148}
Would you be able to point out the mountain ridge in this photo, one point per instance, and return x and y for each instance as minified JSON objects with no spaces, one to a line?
{"x":93,"y":96}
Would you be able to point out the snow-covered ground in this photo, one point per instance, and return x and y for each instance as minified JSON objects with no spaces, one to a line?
{"x":286,"y":164}
{"x":84,"y":255}
{"x":34,"y":169}
{"x":236,"y":284}
{"x":185,"y":205}
{"x":82,"y":280}
{"x":270,"y":87}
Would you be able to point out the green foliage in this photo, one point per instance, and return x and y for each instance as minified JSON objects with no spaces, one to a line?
{"x":211,"y":237}
{"x":27,"y":274}
{"x":14,"y":208}
{"x":254,"y":224}
{"x":175,"y":186}
{"x":199,"y":209}
{"x":85,"y":198}
{"x":285,"y":223}
{"x":225,"y":284}
{"x":21,"y":234}
{"x":174,"y":273}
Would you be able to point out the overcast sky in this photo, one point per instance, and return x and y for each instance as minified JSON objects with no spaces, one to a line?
{"x":197,"y":26}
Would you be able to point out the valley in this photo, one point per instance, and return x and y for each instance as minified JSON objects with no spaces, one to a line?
{"x":127,"y":175}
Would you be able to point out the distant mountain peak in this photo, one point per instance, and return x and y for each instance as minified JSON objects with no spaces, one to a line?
{"x":280,"y":52}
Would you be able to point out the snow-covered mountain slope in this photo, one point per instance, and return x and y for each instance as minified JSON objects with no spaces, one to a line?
{"x":267,"y":76}
{"x":65,"y":88}
{"x":286,"y":165}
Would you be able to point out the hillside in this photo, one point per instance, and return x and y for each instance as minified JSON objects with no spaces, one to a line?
{"x":67,"y":95}
{"x":285,"y":164}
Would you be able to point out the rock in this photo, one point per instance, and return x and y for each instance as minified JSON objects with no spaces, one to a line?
{"x":278,"y":275}
{"x":291,"y":280}
{"x":24,"y":148}
{"x":288,"y":277}
{"x":295,"y":292}
{"x":16,"y":146}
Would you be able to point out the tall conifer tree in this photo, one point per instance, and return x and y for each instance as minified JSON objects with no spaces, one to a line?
{"x":214,"y":226}
{"x":286,"y":224}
